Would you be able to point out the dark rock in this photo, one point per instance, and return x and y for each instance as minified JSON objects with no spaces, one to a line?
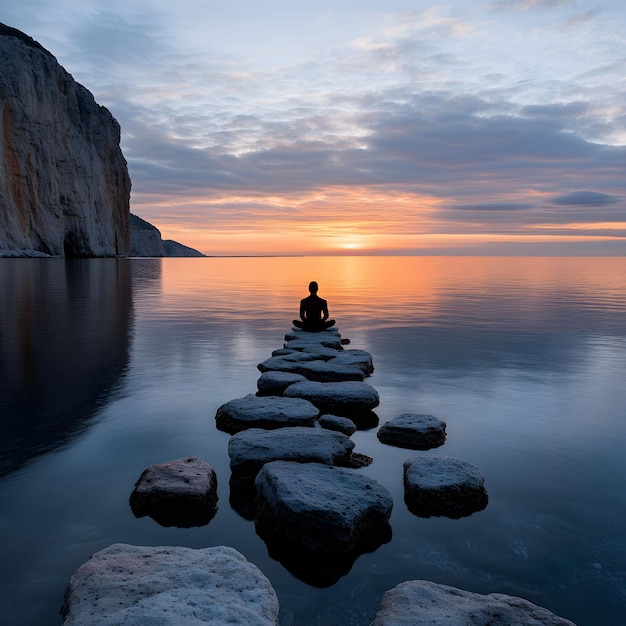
{"x":179,"y":493}
{"x":250,"y":449}
{"x":264,"y":412}
{"x":437,"y":485}
{"x":346,"y":399}
{"x":274,"y":383}
{"x":340,"y":424}
{"x":415,"y":431}
{"x":424,"y":602}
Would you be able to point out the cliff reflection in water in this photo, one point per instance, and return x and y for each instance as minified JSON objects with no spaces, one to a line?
{"x":64,"y":345}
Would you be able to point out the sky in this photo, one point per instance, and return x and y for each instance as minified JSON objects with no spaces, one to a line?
{"x":369,"y":127}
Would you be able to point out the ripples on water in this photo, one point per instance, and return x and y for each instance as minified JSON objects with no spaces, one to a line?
{"x":110,"y":366}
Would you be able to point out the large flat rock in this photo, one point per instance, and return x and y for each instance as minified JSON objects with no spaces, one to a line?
{"x":299,"y":339}
{"x":424,"y":602}
{"x":312,"y":367}
{"x":179,"y":493}
{"x":345,"y":399}
{"x":413,"y":430}
{"x":321,"y":508}
{"x":250,"y":449}
{"x":274,"y":383}
{"x":439,"y":485}
{"x":147,"y":586}
{"x":264,"y":412}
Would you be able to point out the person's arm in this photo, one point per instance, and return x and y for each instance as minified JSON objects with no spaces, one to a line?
{"x":325,"y":310}
{"x":302,"y":311}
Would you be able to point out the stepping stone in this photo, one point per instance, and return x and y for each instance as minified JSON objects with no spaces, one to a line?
{"x":424,"y":602}
{"x":345,"y":399}
{"x":311,"y":367}
{"x":437,"y":485}
{"x":264,"y":412}
{"x":337,"y":423}
{"x":323,"y":509}
{"x":299,"y":339}
{"x":355,"y":358}
{"x":415,"y":431}
{"x":250,"y":449}
{"x":180,"y":493}
{"x":274,"y":383}
{"x":125,"y":584}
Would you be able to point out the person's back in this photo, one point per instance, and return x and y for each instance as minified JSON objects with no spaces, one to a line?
{"x":313,"y":312}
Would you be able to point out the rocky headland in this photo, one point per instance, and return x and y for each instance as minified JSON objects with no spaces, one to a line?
{"x":64,"y":182}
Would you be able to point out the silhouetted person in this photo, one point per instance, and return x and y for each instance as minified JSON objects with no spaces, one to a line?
{"x":313,"y":312}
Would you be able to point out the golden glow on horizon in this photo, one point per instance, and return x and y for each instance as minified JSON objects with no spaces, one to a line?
{"x":338,"y":221}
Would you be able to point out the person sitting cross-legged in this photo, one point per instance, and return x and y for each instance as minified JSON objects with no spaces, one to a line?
{"x":313,"y":312}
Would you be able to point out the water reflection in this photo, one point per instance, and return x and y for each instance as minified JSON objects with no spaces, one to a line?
{"x":64,"y":328}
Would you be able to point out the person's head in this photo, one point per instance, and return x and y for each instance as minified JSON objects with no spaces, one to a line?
{"x":313,"y":287}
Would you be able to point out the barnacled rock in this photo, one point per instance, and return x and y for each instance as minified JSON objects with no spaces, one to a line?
{"x":443,"y":486}
{"x":425,"y":602}
{"x":179,"y":493}
{"x":125,"y":584}
{"x":264,"y":412}
{"x":413,"y":430}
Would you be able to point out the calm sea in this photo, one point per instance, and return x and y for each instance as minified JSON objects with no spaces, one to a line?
{"x":109,"y":366}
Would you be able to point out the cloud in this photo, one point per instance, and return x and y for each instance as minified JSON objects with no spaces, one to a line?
{"x":586,"y":199}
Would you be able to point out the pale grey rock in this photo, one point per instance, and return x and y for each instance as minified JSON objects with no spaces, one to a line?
{"x":345,"y":399}
{"x":64,"y":184}
{"x":148,"y":586}
{"x":413,"y":430}
{"x":250,"y":449}
{"x":177,"y":493}
{"x":274,"y":383}
{"x":438,"y":485}
{"x":424,"y":602}
{"x":338,"y":423}
{"x":264,"y":412}
{"x":321,"y":508}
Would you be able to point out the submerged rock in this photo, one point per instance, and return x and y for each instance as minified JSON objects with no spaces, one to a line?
{"x":437,"y":485}
{"x":345,"y":399}
{"x":264,"y":412}
{"x":125,"y":584}
{"x":425,"y":602}
{"x":179,"y":493}
{"x":415,"y":431}
{"x":250,"y":449}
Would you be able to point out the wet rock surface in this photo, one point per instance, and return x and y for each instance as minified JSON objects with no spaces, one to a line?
{"x":413,"y":430}
{"x":264,"y":412}
{"x":346,"y":399}
{"x":321,"y":508}
{"x":338,"y":423}
{"x":438,"y":485}
{"x":125,"y":584}
{"x":179,"y":493}
{"x":250,"y":449}
{"x":274,"y":383}
{"x":423,"y":602}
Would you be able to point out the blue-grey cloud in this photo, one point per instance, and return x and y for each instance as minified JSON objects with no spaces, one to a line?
{"x":586,"y":199}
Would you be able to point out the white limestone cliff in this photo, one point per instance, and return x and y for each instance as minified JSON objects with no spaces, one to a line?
{"x":64,"y":184}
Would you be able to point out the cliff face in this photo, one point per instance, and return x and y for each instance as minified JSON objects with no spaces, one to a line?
{"x":146,"y":240}
{"x":64,"y":184}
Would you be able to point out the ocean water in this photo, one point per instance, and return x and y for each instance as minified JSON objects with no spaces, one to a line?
{"x":109,"y":366}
